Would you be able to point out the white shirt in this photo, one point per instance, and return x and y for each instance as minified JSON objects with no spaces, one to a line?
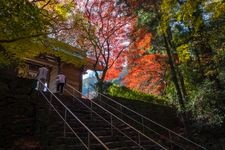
{"x":61,"y":78}
{"x":43,"y":73}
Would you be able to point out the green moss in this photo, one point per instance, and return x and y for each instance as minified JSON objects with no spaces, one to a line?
{"x":123,"y":92}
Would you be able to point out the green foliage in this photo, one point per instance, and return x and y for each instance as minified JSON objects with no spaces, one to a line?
{"x":206,"y":104}
{"x":145,"y":18}
{"x":167,"y":9}
{"x":64,"y":9}
{"x":123,"y":92}
{"x":183,"y":53}
{"x":20,"y":18}
{"x":7,"y":60}
{"x":23,"y":21}
{"x":25,"y":48}
{"x":30,"y":48}
{"x":197,"y":29}
{"x":170,"y":95}
{"x":218,"y":8}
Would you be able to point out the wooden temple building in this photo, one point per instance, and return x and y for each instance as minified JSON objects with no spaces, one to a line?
{"x":73,"y":72}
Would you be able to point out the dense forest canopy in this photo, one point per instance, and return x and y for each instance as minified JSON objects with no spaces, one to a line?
{"x":191,"y":34}
{"x":173,"y":49}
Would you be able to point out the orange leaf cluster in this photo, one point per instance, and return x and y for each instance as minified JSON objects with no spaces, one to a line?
{"x":146,"y":74}
{"x":144,"y":42}
{"x":115,"y":71}
{"x":146,"y":71}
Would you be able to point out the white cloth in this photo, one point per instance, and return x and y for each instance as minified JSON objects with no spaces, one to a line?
{"x":42,"y":74}
{"x":61,"y":78}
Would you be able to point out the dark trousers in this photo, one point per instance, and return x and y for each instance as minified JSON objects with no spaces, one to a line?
{"x":60,"y":87}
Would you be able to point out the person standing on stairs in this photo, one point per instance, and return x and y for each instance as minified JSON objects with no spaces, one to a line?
{"x":61,"y":81}
{"x":42,"y":76}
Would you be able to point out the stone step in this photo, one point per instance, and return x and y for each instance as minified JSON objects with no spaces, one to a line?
{"x":66,"y":147}
{"x":97,"y":125}
{"x":59,"y":133}
{"x":74,"y":143}
{"x":65,"y":140}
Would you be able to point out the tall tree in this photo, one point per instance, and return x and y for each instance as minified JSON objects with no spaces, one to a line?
{"x":26,"y":24}
{"x":152,"y":15}
{"x":21,"y":19}
{"x":156,"y":17}
{"x":104,"y":34}
{"x":186,"y":30}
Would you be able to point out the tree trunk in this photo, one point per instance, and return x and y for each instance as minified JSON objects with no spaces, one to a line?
{"x":180,"y":78}
{"x":174,"y":75}
{"x":58,"y":60}
{"x":177,"y":86}
{"x":182,"y":85}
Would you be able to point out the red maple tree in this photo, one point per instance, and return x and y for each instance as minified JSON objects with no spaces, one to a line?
{"x":105,"y":35}
{"x":116,"y":69}
{"x":146,"y":71}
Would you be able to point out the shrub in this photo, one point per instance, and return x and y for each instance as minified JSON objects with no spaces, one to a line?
{"x":123,"y":92}
{"x":206,"y":104}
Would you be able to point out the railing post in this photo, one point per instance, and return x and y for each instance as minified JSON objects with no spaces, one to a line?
{"x":64,"y":128}
{"x":171,"y":145}
{"x":89,"y":141}
{"x":91,"y":111}
{"x":142,"y":123}
{"x":100,"y":96}
{"x":88,"y":92}
{"x":50,"y":102}
{"x":111,"y":123}
{"x":73,"y":94}
{"x":139,"y":139}
{"x":121,"y":110}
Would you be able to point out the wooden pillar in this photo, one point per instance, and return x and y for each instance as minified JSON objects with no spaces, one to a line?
{"x":81,"y":79}
{"x":58,"y":60}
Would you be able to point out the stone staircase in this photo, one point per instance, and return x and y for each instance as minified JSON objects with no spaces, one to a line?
{"x":24,"y":117}
{"x":58,"y":136}
{"x":76,"y":123}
